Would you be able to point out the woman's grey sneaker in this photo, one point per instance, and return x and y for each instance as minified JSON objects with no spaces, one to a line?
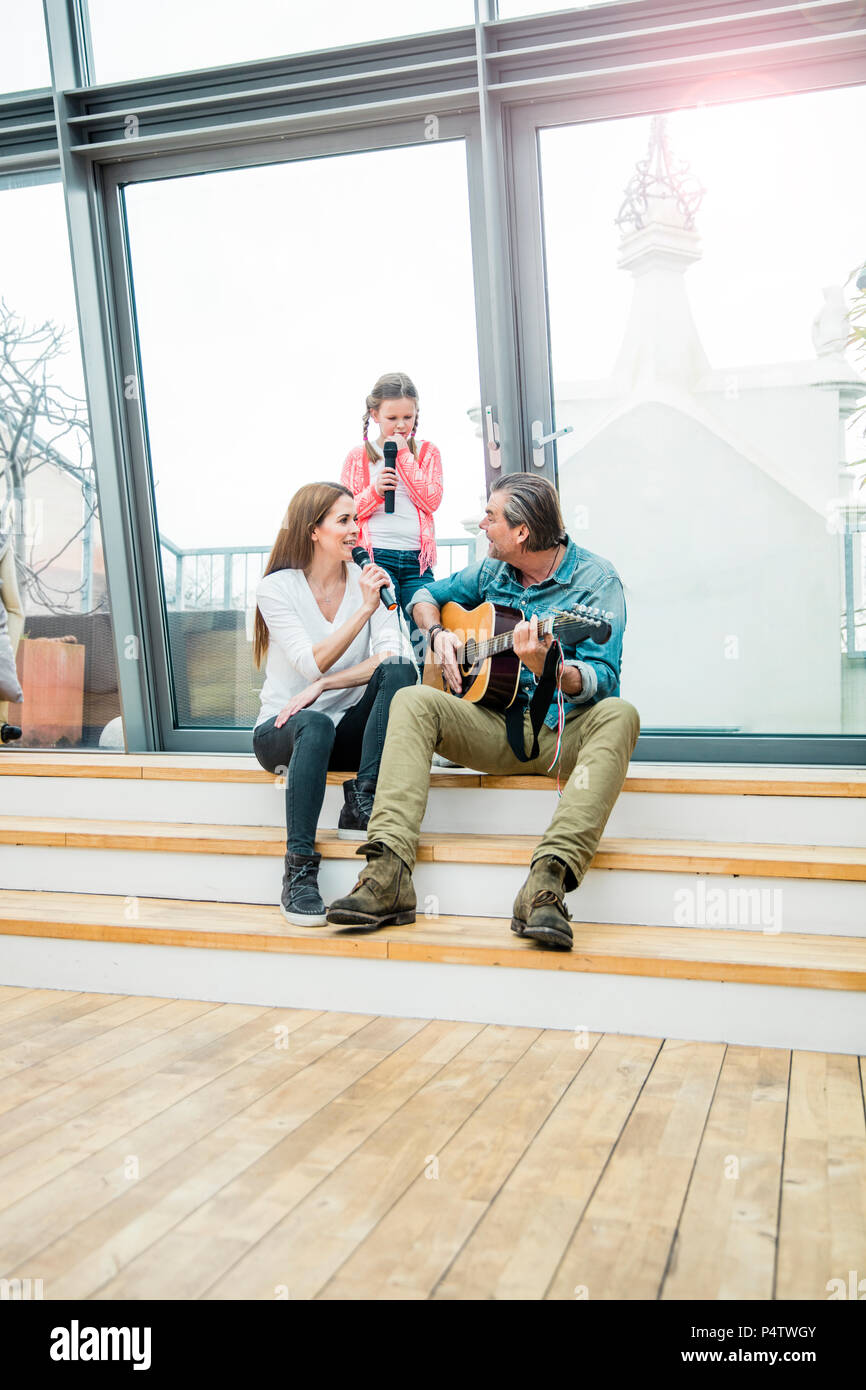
{"x":300,"y":902}
{"x":357,"y":810}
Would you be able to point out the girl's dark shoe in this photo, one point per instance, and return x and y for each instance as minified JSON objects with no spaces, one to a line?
{"x":357,"y":810}
{"x":300,"y":902}
{"x":9,"y":733}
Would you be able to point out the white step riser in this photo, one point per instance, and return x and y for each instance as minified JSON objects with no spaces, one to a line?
{"x":701,"y":1010}
{"x":646,"y":815}
{"x":642,"y":897}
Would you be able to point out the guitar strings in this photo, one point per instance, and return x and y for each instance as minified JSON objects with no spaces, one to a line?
{"x":473,"y":651}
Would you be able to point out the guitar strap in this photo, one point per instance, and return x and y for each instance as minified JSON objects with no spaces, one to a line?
{"x":538,"y":707}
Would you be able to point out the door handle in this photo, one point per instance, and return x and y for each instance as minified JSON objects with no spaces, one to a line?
{"x":539,"y":440}
{"x":491,"y":433}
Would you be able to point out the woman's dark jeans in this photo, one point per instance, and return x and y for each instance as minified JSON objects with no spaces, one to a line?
{"x":405,"y":572}
{"x":309,"y":744}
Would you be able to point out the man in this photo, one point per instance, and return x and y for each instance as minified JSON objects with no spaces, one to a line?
{"x":534,"y":566}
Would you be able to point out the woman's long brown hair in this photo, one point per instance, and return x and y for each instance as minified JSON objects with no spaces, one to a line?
{"x":293,"y":548}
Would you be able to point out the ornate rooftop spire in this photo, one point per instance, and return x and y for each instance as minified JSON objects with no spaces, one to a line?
{"x":657,"y":179}
{"x":661,"y":346}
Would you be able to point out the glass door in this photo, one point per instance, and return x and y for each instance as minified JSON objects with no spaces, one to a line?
{"x":693,"y":336}
{"x":266,"y":301}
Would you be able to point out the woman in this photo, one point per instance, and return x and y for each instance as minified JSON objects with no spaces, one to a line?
{"x":328,"y":683}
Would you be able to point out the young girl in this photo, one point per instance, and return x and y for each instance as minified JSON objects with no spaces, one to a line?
{"x":328,"y":685}
{"x":403,"y":542}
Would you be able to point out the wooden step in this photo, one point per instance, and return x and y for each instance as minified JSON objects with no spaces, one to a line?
{"x":823,"y":962}
{"x":669,"y":856}
{"x":823,"y":782}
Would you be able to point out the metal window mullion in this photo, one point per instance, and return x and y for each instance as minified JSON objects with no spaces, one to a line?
{"x":612,"y":18}
{"x":264,"y":95}
{"x":499,"y":274}
{"x":850,"y":623}
{"x":89,"y":271}
{"x":332,"y":119}
{"x":524,"y":180}
{"x":28,"y":125}
{"x":754,"y":61}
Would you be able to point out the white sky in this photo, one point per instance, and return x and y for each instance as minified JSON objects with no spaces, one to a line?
{"x":133,"y":40}
{"x":783,"y":216}
{"x":23,"y":51}
{"x":270,"y":299}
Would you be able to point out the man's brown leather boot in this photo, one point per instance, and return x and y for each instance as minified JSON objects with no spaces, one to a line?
{"x":384,"y":895}
{"x":539,"y":909}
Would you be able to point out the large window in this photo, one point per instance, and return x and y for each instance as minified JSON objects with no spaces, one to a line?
{"x":699,"y":276}
{"x":269,"y":205}
{"x":268,"y":302}
{"x":50,"y":532}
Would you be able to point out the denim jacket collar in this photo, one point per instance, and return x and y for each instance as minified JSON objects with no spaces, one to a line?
{"x":563,"y":573}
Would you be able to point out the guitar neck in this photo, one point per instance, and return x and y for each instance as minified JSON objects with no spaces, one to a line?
{"x":503,"y":642}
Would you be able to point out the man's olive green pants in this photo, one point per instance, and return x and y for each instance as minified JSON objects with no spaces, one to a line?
{"x":597,"y":743}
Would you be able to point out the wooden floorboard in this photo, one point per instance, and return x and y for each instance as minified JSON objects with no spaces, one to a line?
{"x":190,"y":1150}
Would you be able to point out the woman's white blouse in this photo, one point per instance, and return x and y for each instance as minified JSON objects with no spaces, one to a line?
{"x":296,"y":624}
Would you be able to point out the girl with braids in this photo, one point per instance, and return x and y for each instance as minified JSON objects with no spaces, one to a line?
{"x":402,"y":542}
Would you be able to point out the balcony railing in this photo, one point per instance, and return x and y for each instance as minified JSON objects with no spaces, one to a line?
{"x":225,"y":577}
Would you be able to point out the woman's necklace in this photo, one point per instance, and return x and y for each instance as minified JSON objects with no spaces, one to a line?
{"x":326,"y":598}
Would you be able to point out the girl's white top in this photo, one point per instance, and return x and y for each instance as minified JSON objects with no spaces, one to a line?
{"x":401,"y":530}
{"x":296,"y":623}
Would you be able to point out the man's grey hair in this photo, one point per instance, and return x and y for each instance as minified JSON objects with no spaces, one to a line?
{"x":532,"y":502}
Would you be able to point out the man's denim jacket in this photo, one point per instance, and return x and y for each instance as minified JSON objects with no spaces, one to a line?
{"x":581,"y":577}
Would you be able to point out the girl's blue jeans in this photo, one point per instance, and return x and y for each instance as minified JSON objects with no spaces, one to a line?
{"x":405,"y":572}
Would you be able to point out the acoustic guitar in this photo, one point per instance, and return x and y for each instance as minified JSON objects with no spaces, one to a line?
{"x":488,"y":666}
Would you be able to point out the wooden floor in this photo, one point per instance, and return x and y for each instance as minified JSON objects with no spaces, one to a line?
{"x":181,"y":1149}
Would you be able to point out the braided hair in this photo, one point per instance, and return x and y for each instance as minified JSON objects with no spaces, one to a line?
{"x":393,"y":386}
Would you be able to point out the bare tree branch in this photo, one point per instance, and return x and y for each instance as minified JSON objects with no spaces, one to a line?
{"x":41,"y":424}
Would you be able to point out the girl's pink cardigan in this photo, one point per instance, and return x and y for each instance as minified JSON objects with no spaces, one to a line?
{"x":422,"y":478}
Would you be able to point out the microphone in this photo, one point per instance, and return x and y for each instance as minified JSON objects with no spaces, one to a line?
{"x":390,"y":452}
{"x":386,"y":593}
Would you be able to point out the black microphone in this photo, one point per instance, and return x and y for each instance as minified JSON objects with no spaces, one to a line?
{"x":390,"y":452}
{"x":386,"y":593}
